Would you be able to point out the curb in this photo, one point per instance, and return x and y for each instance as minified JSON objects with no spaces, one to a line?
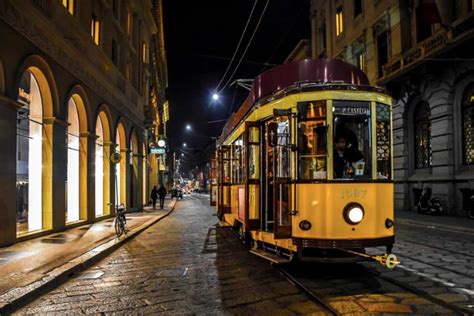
{"x":451,"y":228}
{"x":18,"y":297}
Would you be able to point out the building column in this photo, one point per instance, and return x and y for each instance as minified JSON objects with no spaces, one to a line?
{"x":124,"y":177}
{"x":109,"y":178}
{"x":138,"y":160}
{"x":8,"y":123}
{"x":55,"y":173}
{"x":87,"y":176}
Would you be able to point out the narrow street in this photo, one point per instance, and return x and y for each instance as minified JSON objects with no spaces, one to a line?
{"x":186,"y":264}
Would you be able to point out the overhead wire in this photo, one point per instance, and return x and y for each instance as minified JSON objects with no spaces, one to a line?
{"x":248,"y":45}
{"x":238,"y":45}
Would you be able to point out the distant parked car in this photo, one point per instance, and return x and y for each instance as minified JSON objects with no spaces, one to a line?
{"x":177,"y":193}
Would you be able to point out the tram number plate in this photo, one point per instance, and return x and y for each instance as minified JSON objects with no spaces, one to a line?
{"x":353,"y":193}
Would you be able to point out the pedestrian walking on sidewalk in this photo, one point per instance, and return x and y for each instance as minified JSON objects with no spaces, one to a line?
{"x":154,"y":196}
{"x":162,"y":194}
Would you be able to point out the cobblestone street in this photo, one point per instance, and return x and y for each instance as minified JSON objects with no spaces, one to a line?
{"x":186,"y":264}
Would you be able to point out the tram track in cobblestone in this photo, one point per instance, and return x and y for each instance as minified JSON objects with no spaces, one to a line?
{"x":452,"y":307}
{"x":316,"y":298}
{"x":306,"y":282}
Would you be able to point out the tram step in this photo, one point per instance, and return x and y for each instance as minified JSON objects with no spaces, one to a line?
{"x":224,"y":224}
{"x":274,"y":259}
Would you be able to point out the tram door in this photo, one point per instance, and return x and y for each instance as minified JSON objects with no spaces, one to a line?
{"x":224,"y":180}
{"x":252,"y":177}
{"x":277,"y":191}
{"x":282,"y":145}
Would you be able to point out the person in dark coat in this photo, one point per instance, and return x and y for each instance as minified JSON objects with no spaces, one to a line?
{"x":162,"y":194}
{"x":344,"y":156}
{"x":154,"y":196}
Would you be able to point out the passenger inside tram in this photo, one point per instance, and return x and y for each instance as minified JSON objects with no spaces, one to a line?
{"x":348,"y":160}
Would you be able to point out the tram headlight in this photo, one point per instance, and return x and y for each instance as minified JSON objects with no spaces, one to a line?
{"x":353,"y":213}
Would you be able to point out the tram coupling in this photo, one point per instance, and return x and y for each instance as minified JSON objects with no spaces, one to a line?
{"x":387,"y":260}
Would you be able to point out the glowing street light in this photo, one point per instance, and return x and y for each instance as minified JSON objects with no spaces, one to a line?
{"x":188,"y":127}
{"x":184,"y":144}
{"x":182,"y":155}
{"x":215,"y":97}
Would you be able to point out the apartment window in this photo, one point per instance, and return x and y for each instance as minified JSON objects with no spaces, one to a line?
{"x":322,"y":40}
{"x":69,"y":5}
{"x":144,"y":53}
{"x":468,"y":125}
{"x":129,"y":22}
{"x":339,"y":23}
{"x":383,"y":40}
{"x":357,"y":8}
{"x":116,"y":8}
{"x":422,"y":129}
{"x":115,"y":51}
{"x":470,"y":5}
{"x":95,"y":27}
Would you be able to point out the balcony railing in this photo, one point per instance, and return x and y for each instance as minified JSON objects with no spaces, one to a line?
{"x":439,"y":41}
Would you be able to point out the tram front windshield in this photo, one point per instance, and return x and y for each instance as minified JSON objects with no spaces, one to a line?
{"x":352,"y":142}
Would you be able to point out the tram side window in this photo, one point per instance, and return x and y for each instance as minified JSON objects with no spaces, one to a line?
{"x":283,"y":147}
{"x":226,"y":164}
{"x":237,"y":161}
{"x":384,"y":167}
{"x":352,"y":141}
{"x":254,"y":153}
{"x":312,"y":141}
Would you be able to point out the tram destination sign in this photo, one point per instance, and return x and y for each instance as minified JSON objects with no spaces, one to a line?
{"x":351,"y":108}
{"x":351,"y":111}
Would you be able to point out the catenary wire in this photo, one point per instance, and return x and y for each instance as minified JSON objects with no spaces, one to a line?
{"x":248,"y":45}
{"x":238,"y":45}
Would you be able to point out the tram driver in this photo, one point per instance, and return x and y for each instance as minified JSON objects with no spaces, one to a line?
{"x":345,"y":156}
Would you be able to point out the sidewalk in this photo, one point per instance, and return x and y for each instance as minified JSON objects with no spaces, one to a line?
{"x":37,"y":265}
{"x":458,"y":224}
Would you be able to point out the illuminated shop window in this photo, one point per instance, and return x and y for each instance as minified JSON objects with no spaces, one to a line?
{"x":144,"y":53}
{"x":29,"y":164}
{"x":99,"y":168}
{"x":72,"y":207}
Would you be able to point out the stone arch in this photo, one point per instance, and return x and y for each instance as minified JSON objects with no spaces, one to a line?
{"x":78,"y":94}
{"x":46,"y":81}
{"x":77,"y":152}
{"x":103,"y":176}
{"x":462,"y":83}
{"x":36,"y":89}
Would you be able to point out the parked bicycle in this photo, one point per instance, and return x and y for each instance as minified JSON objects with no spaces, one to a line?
{"x":120,"y":220}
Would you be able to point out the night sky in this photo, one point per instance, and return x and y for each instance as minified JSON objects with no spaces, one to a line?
{"x":200,"y":38}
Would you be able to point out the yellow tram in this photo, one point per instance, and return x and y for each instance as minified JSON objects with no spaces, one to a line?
{"x":304,"y":167}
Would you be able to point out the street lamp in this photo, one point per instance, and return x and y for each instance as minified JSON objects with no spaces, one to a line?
{"x":215,"y":96}
{"x":184,"y":144}
{"x":188,"y":127}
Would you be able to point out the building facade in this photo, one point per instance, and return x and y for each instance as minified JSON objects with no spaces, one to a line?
{"x":76,"y":83}
{"x":420,"y":52}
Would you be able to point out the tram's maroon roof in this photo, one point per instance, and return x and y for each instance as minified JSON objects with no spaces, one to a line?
{"x":287,"y":75}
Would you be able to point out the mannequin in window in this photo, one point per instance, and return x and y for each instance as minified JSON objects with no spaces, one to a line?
{"x":344,"y":155}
